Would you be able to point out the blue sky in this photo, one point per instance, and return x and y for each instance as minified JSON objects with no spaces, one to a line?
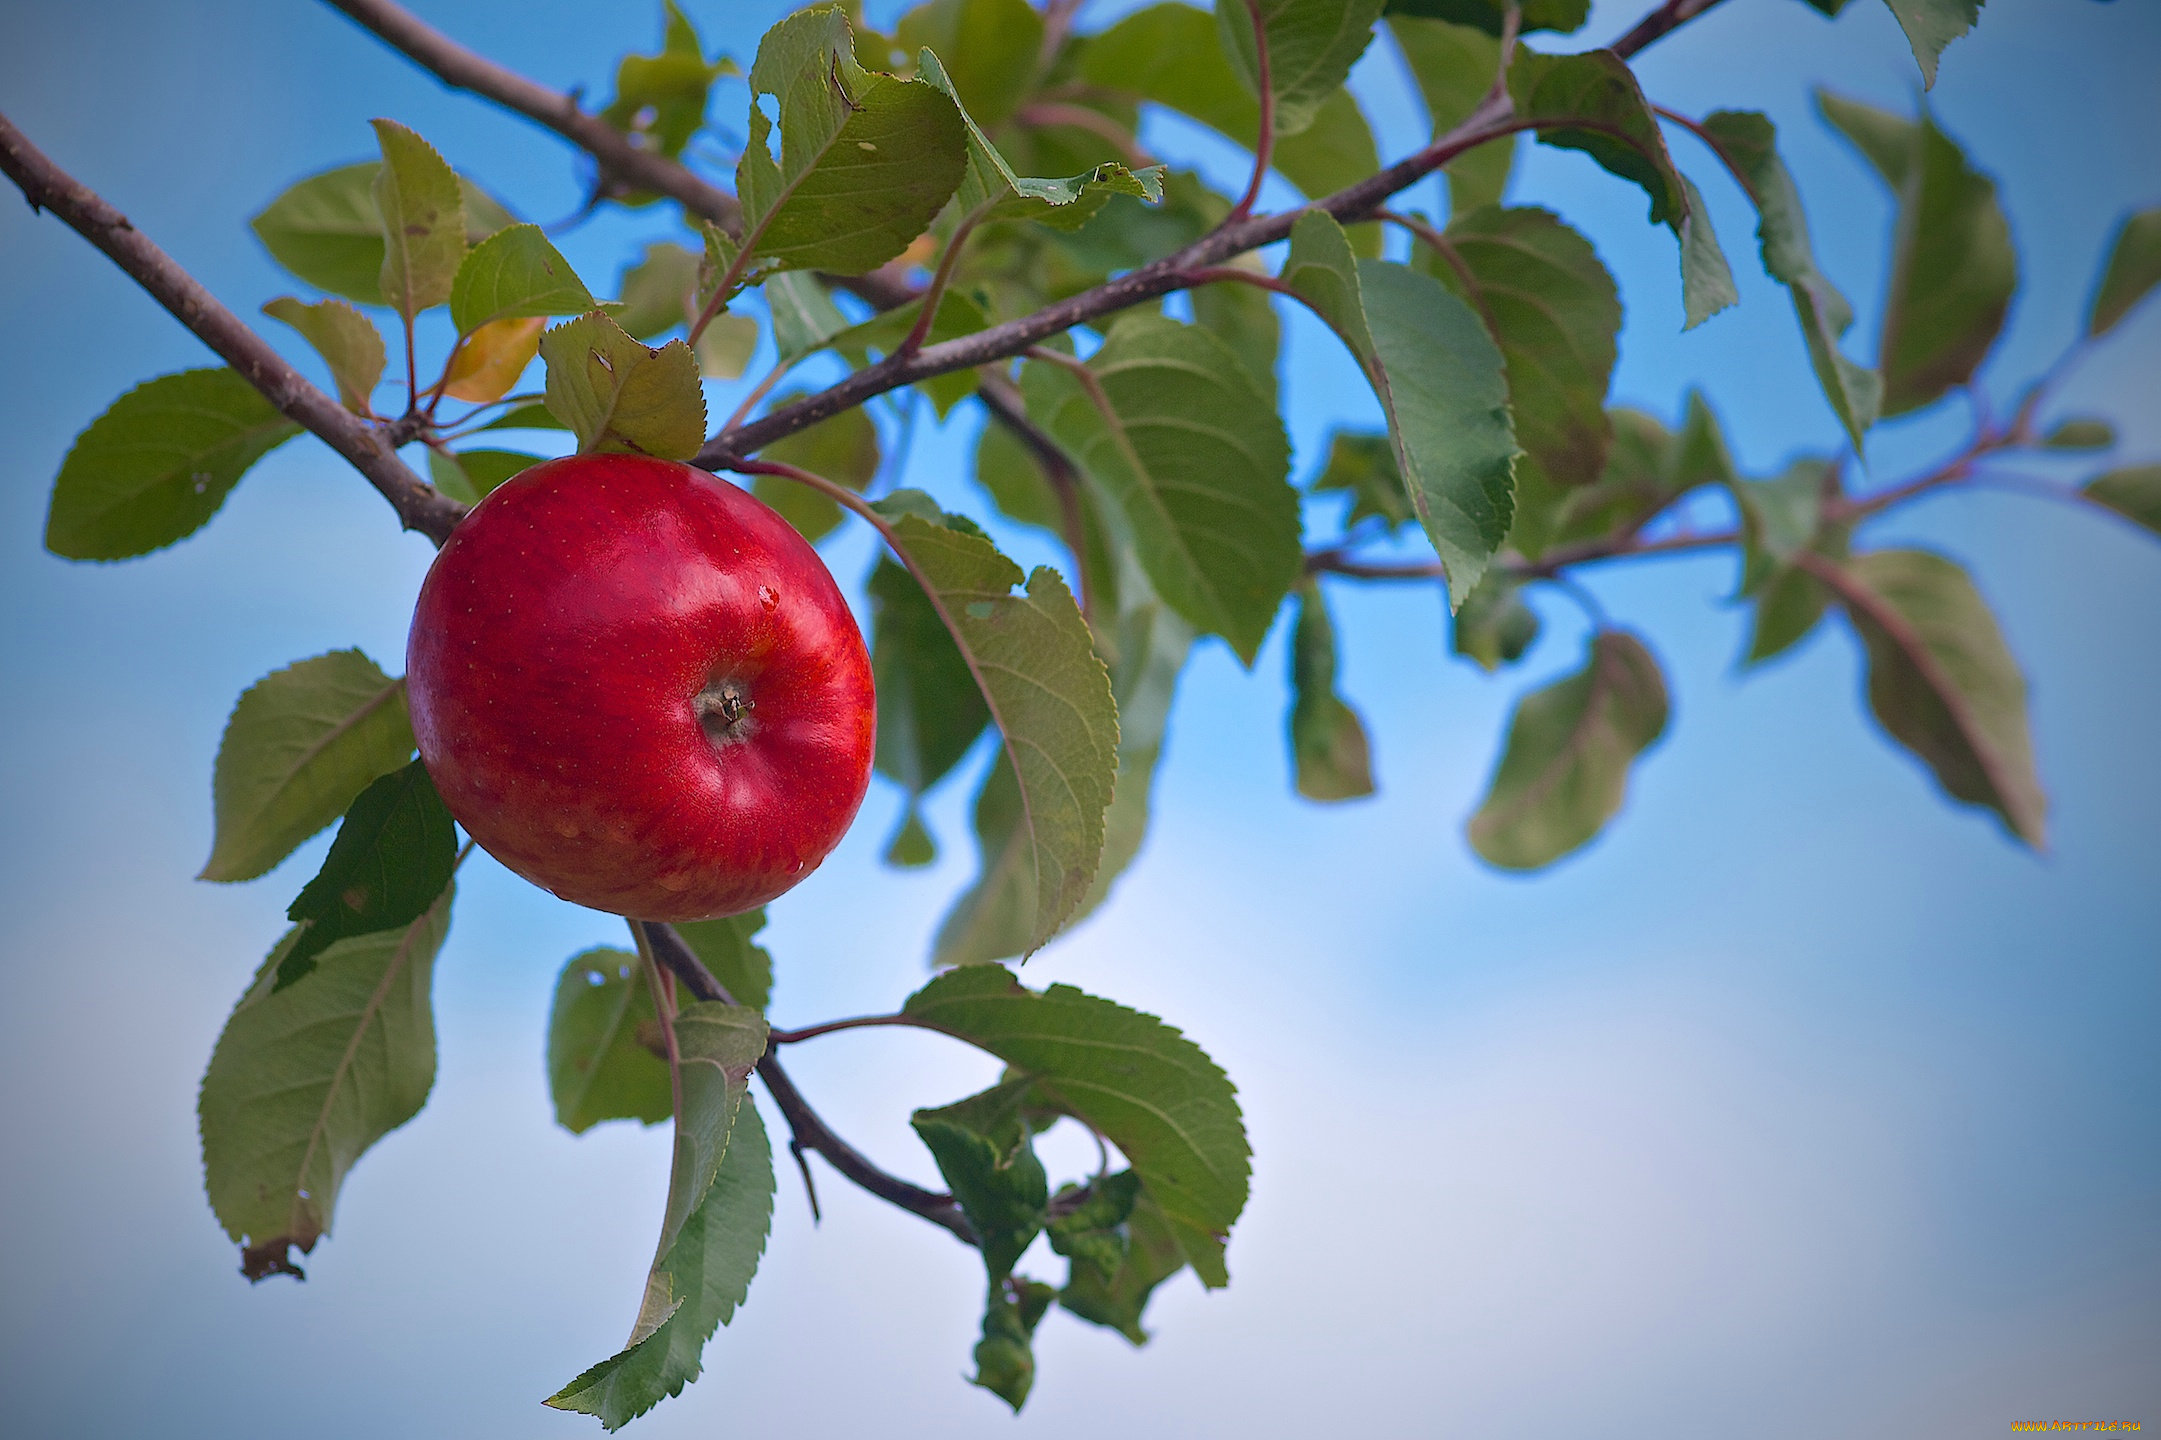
{"x":1801,"y":1102}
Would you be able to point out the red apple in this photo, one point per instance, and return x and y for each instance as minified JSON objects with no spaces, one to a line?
{"x":638,"y":687}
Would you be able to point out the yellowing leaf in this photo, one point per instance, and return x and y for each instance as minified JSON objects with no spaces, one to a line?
{"x":492,"y":358}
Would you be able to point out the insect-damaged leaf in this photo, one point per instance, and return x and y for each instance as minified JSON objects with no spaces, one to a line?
{"x":602,"y":1034}
{"x":867,"y":160}
{"x":301,"y":744}
{"x":1154,"y":1093}
{"x":306,"y":1077}
{"x":1565,"y":769}
{"x":618,"y":395}
{"x":1051,"y":698}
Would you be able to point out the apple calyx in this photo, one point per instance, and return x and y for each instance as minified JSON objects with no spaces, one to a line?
{"x":723,"y":709}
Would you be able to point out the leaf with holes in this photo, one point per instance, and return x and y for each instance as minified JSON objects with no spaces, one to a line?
{"x":866,"y":162}
{"x":1154,"y":1093}
{"x":1565,"y":769}
{"x":305,"y":1078}
{"x":301,"y":744}
{"x":1942,"y":682}
{"x":346,"y":339}
{"x":660,"y":99}
{"x":602,"y":1035}
{"x":1312,"y":45}
{"x":1591,"y":102}
{"x":1750,"y":143}
{"x":157,"y":465}
{"x":1440,"y":381}
{"x":1051,"y":699}
{"x":1329,"y":754}
{"x":393,"y":855}
{"x":1173,"y":428}
{"x":729,"y":948}
{"x":618,"y":395}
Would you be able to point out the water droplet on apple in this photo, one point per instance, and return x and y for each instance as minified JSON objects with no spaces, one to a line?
{"x":768,"y":597}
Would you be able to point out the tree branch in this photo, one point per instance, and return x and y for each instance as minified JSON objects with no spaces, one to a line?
{"x":809,"y":1132}
{"x":1654,"y":26}
{"x":367,"y":446}
{"x":461,"y":69}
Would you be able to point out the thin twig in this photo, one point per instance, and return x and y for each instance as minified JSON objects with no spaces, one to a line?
{"x":1264,"y":148}
{"x":620,"y":160}
{"x":1038,"y":114}
{"x":1003,"y":399}
{"x":1659,"y":23}
{"x":46,"y":186}
{"x":809,"y":1132}
{"x":935,"y":295}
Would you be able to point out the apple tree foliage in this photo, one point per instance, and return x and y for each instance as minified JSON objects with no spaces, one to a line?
{"x":963,"y":213}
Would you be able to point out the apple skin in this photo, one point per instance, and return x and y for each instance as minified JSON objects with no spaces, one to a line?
{"x":638,"y":687}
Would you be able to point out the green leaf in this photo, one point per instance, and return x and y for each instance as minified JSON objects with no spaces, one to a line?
{"x":526,"y":417}
{"x":1554,"y":311}
{"x":867,"y":160}
{"x":1647,"y":469}
{"x":156,"y":466}
{"x":2133,"y":269}
{"x":305,"y":1078}
{"x":993,"y":43}
{"x":618,"y":395}
{"x":1565,"y":770}
{"x":1454,"y":66}
{"x":472,"y":475}
{"x":660,"y":99}
{"x":1750,"y":143}
{"x":1312,"y":45}
{"x":422,"y":204}
{"x":1151,"y":1091}
{"x":982,"y":1148}
{"x":1562,"y":16}
{"x":882,"y":334}
{"x":723,"y":351}
{"x":1953,"y":272}
{"x":804,"y":315}
{"x":1152,"y":1255}
{"x":1782,"y":518}
{"x":328,"y":231}
{"x":1439,"y":380}
{"x":709,"y":1256}
{"x":393,"y":855}
{"x":1932,"y":24}
{"x":1051,"y":699}
{"x":1170,"y":54}
{"x":1943,"y":683}
{"x":727,"y":947}
{"x":1004,"y":1359}
{"x":1494,"y":627}
{"x":514,"y":273}
{"x":301,"y":744}
{"x":1093,"y":1233}
{"x":1328,"y":741}
{"x":2133,"y":492}
{"x":346,"y":339}
{"x":929,"y":709}
{"x":843,"y":448}
{"x":1196,"y":460}
{"x":655,"y":295}
{"x":1885,"y":140}
{"x":1364,"y":467}
{"x":602,"y":1034}
{"x":1243,"y":317}
{"x":2080,"y":432}
{"x":1591,"y":102}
